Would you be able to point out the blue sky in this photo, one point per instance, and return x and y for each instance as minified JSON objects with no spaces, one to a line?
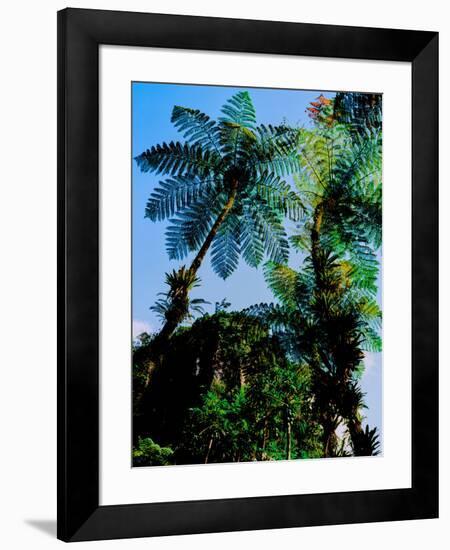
{"x":151,"y":110}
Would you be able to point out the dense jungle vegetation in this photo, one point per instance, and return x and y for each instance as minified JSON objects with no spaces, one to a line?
{"x":277,"y":380}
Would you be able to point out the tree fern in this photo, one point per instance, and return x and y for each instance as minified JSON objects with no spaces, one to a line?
{"x":328,"y":315}
{"x":234,"y":158}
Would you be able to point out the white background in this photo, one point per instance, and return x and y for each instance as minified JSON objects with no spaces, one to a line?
{"x":120,"y":484}
{"x":28,"y":275}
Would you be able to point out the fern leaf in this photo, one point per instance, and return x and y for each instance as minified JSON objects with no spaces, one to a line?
{"x":266,"y":228}
{"x":175,"y":158}
{"x":196,"y":127}
{"x":226,"y":247}
{"x":190,"y":227}
{"x":239,"y":110}
{"x":237,"y":127}
{"x":282,"y":281}
{"x":176,"y":194}
{"x":279,"y":196}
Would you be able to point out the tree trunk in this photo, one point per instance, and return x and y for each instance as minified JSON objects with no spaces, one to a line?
{"x":329,"y":437}
{"x":172,"y":323}
{"x":260,"y":453}
{"x":328,"y":431}
{"x":209,"y":450}
{"x":315,"y":243}
{"x":196,"y":262}
{"x":288,"y":440}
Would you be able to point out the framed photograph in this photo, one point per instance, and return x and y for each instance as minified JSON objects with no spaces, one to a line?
{"x":247,"y":274}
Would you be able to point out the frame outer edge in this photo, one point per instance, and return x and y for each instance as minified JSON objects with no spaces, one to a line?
{"x":425,"y":362}
{"x":79,"y":514}
{"x":78,"y":343}
{"x":61,"y":300}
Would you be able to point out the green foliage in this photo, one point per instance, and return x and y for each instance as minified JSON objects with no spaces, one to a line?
{"x":234,"y":395}
{"x":325,"y":323}
{"x":246,"y":418}
{"x":218,"y":430}
{"x":149,"y":453}
{"x":280,"y":380}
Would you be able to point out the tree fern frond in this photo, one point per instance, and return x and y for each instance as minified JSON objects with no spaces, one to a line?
{"x":226,"y":247}
{"x":371,"y":340}
{"x":176,"y":245}
{"x":315,"y":153}
{"x":276,"y":139}
{"x":177,"y":193}
{"x":274,"y":315}
{"x":196,"y":306}
{"x":279,"y":196}
{"x":263,"y":233}
{"x":282,"y":281}
{"x":283,"y":163}
{"x":237,"y":126}
{"x":276,"y":149}
{"x":196,"y":127}
{"x":175,"y":158}
{"x":370,"y":312}
{"x":252,"y":246}
{"x":239,"y":110}
{"x":364,"y":267}
{"x":190,"y":227}
{"x":236,"y":143}
{"x":307,"y":187}
{"x":363,"y":156}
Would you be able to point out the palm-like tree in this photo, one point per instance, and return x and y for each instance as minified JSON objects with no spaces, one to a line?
{"x":224,"y":189}
{"x":327,"y":326}
{"x":328,"y":314}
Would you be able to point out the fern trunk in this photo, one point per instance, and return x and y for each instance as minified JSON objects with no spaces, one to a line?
{"x":197,"y":261}
{"x":315,"y":240}
{"x":174,"y":318}
{"x":288,"y":440}
{"x":355,"y":430}
{"x":327,"y":426}
{"x":353,"y":424}
{"x":329,"y":437}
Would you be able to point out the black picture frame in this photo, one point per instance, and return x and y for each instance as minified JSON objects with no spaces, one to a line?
{"x":80,"y":32}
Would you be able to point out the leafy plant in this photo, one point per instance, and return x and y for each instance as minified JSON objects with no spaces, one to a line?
{"x":149,"y":453}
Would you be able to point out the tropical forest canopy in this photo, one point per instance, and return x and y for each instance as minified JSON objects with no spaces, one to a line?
{"x":277,"y":380}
